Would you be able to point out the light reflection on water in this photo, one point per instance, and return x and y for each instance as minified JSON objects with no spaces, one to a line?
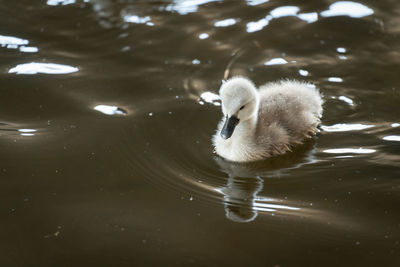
{"x":28,"y":49}
{"x":203,"y":36}
{"x":308,"y":17}
{"x":211,"y":98}
{"x":347,"y":100}
{"x":27,"y":132}
{"x":46,"y":68}
{"x":110,"y":110}
{"x":11,"y":40}
{"x":225,"y":23}
{"x":138,"y":20}
{"x":341,"y":8}
{"x":275,"y":61}
{"x":256,"y":2}
{"x":284,"y":11}
{"x":60,"y":2}
{"x":347,"y":8}
{"x":184,"y":7}
{"x":344,"y":127}
{"x":335,"y":79}
{"x":392,"y":138}
{"x":255,"y":26}
{"x":303,"y":72}
{"x":196,"y":61}
{"x":349,"y":151}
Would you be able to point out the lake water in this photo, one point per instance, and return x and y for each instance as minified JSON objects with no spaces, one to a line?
{"x":107,"y":110}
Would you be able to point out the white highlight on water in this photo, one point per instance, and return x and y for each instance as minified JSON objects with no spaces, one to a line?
{"x":211,"y":98}
{"x":256,"y":2}
{"x":349,"y":151}
{"x":27,"y":130}
{"x":309,"y":17}
{"x":47,"y":68}
{"x":303,"y":72}
{"x":184,"y":7}
{"x":345,"y":127}
{"x":138,"y":20}
{"x":335,"y":79}
{"x":276,"y":61}
{"x":392,"y":138}
{"x":27,"y":134}
{"x":109,"y":110}
{"x":195,"y":61}
{"x":203,"y":36}
{"x":254,"y":26}
{"x":347,"y":8}
{"x":346,"y":99}
{"x":60,"y":2}
{"x":28,"y":49}
{"x":284,"y":11}
{"x":225,"y":23}
{"x":10,"y":40}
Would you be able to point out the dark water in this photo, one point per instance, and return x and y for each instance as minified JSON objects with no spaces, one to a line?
{"x":142,"y":187}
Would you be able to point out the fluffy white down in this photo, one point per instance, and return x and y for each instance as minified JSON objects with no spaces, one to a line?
{"x":275,"y":117}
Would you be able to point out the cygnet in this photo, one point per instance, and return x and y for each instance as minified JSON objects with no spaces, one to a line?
{"x":264,"y":122}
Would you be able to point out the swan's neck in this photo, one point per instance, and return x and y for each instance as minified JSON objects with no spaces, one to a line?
{"x":246,"y":129}
{"x":251,"y":123}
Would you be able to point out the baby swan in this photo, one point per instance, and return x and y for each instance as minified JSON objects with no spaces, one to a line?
{"x":269,"y":121}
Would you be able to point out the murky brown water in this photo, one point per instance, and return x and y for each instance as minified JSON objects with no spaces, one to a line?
{"x":107,"y":111}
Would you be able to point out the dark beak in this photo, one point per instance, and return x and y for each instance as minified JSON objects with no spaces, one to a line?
{"x":229,"y":126}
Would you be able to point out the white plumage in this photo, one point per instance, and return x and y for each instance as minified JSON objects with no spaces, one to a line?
{"x":259,"y":123}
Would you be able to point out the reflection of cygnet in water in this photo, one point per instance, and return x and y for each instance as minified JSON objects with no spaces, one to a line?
{"x":259,"y":123}
{"x":239,"y":193}
{"x":242,"y":201}
{"x":105,"y":11}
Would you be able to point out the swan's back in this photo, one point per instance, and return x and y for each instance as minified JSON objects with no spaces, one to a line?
{"x":289,"y":112}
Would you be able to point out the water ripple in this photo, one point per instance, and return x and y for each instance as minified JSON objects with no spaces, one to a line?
{"x":198,"y":175}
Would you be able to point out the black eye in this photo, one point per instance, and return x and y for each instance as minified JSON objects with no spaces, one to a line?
{"x":242,"y":107}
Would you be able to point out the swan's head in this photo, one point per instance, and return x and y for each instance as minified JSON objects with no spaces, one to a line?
{"x":239,"y":103}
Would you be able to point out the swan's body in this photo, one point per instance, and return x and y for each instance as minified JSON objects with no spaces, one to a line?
{"x":269,"y":121}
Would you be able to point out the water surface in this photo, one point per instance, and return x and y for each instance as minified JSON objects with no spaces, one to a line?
{"x":107,"y":112}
